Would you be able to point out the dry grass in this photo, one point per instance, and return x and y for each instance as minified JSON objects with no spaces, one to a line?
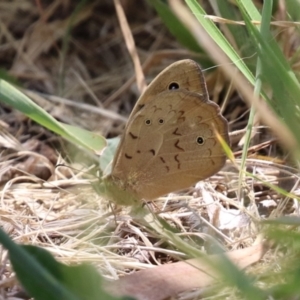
{"x":56,"y":208}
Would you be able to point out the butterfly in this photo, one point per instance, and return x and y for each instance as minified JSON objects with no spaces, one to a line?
{"x":169,"y":142}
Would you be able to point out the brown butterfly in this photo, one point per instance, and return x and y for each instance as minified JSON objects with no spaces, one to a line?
{"x":169,"y":142}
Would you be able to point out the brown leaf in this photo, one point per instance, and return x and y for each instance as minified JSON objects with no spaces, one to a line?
{"x":170,"y":279}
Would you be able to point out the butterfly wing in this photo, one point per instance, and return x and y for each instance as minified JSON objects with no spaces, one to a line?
{"x":184,"y":74}
{"x":170,"y":144}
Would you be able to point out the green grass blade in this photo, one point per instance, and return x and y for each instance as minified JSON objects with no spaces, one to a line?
{"x":277,"y":75}
{"x":264,"y":29}
{"x":82,"y":280}
{"x":37,"y":280}
{"x":219,"y":38}
{"x":46,"y":279}
{"x":181,"y":33}
{"x":16,"y":99}
{"x":237,"y":34}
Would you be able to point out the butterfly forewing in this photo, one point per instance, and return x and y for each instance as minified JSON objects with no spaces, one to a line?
{"x":184,"y":74}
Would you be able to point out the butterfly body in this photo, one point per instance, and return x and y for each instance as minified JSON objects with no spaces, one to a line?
{"x":169,"y":142}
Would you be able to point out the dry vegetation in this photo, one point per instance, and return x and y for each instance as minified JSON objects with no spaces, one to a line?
{"x":77,"y":67}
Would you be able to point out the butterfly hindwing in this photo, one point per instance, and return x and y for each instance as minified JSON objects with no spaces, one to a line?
{"x":170,"y":144}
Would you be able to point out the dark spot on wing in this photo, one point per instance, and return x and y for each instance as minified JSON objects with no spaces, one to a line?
{"x":128,"y":156}
{"x":132,"y":135}
{"x":178,"y":161}
{"x":156,"y":108}
{"x":200,"y":140}
{"x":175,"y":132}
{"x":181,"y":117}
{"x":152,"y":151}
{"x":162,"y":159}
{"x":140,"y":106}
{"x":177,"y":146}
{"x":181,"y":113}
{"x":173,"y":86}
